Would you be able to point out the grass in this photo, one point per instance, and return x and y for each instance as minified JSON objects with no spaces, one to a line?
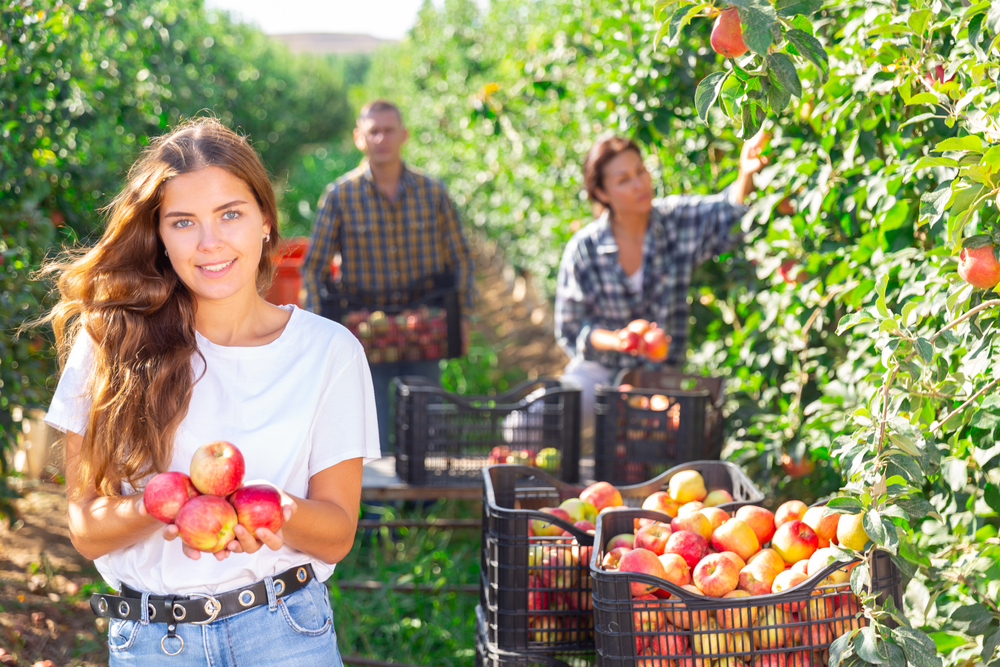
{"x":421,"y":628}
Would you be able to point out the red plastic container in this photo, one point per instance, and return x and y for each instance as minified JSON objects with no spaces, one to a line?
{"x":287,"y":275}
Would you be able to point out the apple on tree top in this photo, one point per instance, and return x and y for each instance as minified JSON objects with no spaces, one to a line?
{"x":727,"y":34}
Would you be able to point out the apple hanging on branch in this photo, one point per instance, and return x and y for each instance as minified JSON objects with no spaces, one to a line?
{"x":979,"y":261}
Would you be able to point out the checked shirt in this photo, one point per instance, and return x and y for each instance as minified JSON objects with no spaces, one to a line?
{"x":385,"y":245}
{"x":593,"y":291}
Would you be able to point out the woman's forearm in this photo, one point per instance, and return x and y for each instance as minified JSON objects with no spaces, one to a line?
{"x":107,"y":523}
{"x":322,"y":529}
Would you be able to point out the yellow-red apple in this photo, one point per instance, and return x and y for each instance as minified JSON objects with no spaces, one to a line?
{"x":653,"y":537}
{"x":641,"y":561}
{"x":206,"y":523}
{"x":695,"y":523}
{"x":692,"y":547}
{"x":735,"y":557}
{"x":716,"y":516}
{"x":625,"y":540}
{"x":675,"y":569}
{"x":795,"y":541}
{"x":602,"y":495}
{"x":793,"y":510}
{"x":258,"y":506}
{"x":543,"y":528}
{"x":661,"y":502}
{"x":785,"y":580}
{"x":760,"y":520}
{"x":717,"y":497}
{"x":690,"y":508}
{"x":716,"y":575}
{"x":979,"y":267}
{"x":727,"y":34}
{"x":736,"y":618}
{"x":735,"y":535}
{"x":579,"y":510}
{"x":613,"y":558}
{"x":756,"y":578}
{"x":851,"y":532}
{"x":769,"y":633}
{"x":771,"y":557}
{"x":678,"y":614}
{"x":686,"y":486}
{"x":822,"y":520}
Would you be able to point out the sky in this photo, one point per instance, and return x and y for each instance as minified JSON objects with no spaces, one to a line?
{"x":387,"y":19}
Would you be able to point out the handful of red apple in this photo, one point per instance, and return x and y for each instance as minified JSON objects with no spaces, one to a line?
{"x":207,"y":505}
{"x":708,"y":551}
{"x":645,"y":339}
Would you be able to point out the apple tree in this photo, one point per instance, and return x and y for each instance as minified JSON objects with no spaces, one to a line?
{"x":885,"y":132}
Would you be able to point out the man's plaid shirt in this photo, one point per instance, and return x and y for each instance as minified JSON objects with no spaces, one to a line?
{"x":593,"y":291}
{"x":385,"y":245}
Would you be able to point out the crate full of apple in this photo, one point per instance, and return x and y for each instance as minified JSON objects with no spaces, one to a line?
{"x":207,"y":505}
{"x":647,"y":421}
{"x":695,"y":584}
{"x":538,"y":534}
{"x":413,"y":334}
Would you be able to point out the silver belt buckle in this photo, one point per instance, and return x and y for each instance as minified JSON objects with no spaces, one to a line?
{"x":212,"y":606}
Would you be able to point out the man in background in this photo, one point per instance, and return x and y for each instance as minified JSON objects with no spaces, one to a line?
{"x":392,"y":226}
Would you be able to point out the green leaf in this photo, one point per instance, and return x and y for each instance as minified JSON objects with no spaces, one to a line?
{"x":990,"y":645}
{"x":977,"y":241}
{"x":924,"y":349}
{"x":923,"y":98}
{"x":860,"y":578}
{"x":708,"y":92}
{"x":917,"y":646}
{"x":916,"y":507}
{"x":872,"y":523}
{"x":853,"y":319}
{"x":976,"y":615}
{"x":934,"y":204}
{"x":753,"y":118}
{"x":955,"y":472}
{"x":790,"y":8}
{"x":756,"y":19}
{"x":947,"y":641}
{"x":845,"y":505}
{"x":920,"y":118}
{"x":991,"y":494}
{"x":681,"y":18}
{"x":782,"y":71}
{"x":928,"y":161}
{"x":838,"y":647}
{"x":865,"y":645}
{"x":970,"y":142}
{"x":809,"y":47}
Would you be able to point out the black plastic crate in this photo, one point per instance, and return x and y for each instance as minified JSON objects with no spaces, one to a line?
{"x":797,"y":624}
{"x":447,"y":439}
{"x":420,"y":322}
{"x":666,"y":419}
{"x":513,"y":583}
{"x":489,"y":656}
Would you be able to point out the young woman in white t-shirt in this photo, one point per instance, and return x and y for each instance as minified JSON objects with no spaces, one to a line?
{"x":168,"y":345}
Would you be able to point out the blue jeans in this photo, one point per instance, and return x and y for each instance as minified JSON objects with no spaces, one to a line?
{"x":293,"y":630}
{"x":382,"y":375}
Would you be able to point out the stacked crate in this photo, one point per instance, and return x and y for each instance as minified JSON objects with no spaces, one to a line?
{"x":536,"y":591}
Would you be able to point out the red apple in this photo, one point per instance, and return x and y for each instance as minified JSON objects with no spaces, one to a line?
{"x":802,"y":567}
{"x":638,"y":326}
{"x":499,"y":454}
{"x":602,"y":495}
{"x":769,"y":556}
{"x":657,"y":344}
{"x":785,"y":580}
{"x":695,"y":523}
{"x":613,"y":558}
{"x":692,"y":547}
{"x":538,"y":600}
{"x":676,"y":570}
{"x":661,"y":502}
{"x":793,"y":510}
{"x":717,"y":497}
{"x":760,"y":520}
{"x":795,"y":541}
{"x":716,"y":575}
{"x":716,"y":516}
{"x":678,"y":614}
{"x":653,"y":537}
{"x":206,"y":523}
{"x":822,"y":520}
{"x":166,"y":493}
{"x":579,"y":510}
{"x":727,"y":34}
{"x":686,"y":486}
{"x":585,"y":526}
{"x":735,"y":535}
{"x":735,"y":557}
{"x":629,"y":341}
{"x":689,"y":508}
{"x":544,"y":528}
{"x":736,"y":618}
{"x":648,"y":617}
{"x":258,"y":506}
{"x":625,"y":540}
{"x":771,"y":633}
{"x":757,"y":578}
{"x":217,"y":468}
{"x":979,"y":267}
{"x":641,"y":561}
{"x":668,"y":643}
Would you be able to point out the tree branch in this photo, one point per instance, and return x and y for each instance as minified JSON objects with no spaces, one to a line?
{"x":938,"y":424}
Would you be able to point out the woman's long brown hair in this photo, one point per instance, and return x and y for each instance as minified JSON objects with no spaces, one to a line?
{"x":125,"y":295}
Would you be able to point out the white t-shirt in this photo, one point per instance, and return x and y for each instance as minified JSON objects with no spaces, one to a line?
{"x":294,"y":407}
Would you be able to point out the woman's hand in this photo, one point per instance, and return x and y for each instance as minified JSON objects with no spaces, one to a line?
{"x":247,"y":542}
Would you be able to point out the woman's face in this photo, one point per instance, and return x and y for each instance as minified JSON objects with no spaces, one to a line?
{"x":213,"y":231}
{"x":628,"y":187}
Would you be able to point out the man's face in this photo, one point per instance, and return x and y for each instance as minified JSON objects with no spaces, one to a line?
{"x":380,"y":135}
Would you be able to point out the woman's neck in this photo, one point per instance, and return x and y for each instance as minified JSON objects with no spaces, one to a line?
{"x":244,"y":323}
{"x":630,"y":226}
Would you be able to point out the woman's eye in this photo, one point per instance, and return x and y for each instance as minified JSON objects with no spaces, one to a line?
{"x":230,"y":215}
{"x":181,"y":224}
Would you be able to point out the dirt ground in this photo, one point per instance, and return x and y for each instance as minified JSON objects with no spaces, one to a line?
{"x":45,"y":585}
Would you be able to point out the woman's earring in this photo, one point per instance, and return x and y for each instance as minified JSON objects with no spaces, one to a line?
{"x":267,"y":237}
{"x":165,"y":253}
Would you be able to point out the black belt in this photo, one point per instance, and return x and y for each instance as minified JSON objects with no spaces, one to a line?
{"x":198,"y":608}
